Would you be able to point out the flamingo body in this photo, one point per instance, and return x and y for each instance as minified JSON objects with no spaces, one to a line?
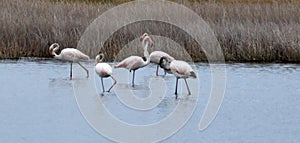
{"x":73,"y":55}
{"x":132,"y":63}
{"x":156,"y":55}
{"x":103,"y":69}
{"x":182,"y":69}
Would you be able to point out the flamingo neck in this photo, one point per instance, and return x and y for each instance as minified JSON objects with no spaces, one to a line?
{"x":144,"y":42}
{"x":164,"y":63}
{"x":99,"y":58}
{"x":146,"y":53}
{"x":55,"y":55}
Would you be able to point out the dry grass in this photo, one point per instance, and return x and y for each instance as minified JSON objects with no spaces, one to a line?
{"x":247,"y":32}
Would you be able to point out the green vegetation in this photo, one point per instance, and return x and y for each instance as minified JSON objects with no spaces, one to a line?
{"x":247,"y":32}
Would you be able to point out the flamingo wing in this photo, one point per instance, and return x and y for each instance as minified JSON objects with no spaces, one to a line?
{"x":131,"y":63}
{"x":181,"y":69}
{"x":74,"y":55}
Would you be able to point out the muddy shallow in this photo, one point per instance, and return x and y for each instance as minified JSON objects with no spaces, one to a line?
{"x":37,"y":103}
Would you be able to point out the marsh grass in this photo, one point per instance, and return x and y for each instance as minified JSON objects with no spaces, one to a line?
{"x":247,"y":32}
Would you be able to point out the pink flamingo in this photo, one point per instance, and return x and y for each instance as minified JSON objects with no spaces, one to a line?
{"x":180,"y":69}
{"x":71,"y":55}
{"x":133,"y":63}
{"x":155,"y":56}
{"x":104,"y":70}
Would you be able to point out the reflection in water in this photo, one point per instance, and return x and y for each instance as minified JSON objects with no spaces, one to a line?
{"x":261,"y":103}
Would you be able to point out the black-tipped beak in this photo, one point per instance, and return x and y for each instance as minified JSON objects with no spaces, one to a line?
{"x":193,"y":74}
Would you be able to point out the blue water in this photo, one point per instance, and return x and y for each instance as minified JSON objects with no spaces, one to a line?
{"x":261,"y":104}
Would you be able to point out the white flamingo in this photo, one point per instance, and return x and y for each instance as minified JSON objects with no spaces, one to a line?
{"x":104,"y":70}
{"x":133,"y":63}
{"x":71,"y":55}
{"x":180,"y":69}
{"x":155,"y":56}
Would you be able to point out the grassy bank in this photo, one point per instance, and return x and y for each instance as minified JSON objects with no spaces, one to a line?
{"x":247,"y":32}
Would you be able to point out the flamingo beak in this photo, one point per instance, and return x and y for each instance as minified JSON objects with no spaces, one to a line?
{"x":151,"y":42}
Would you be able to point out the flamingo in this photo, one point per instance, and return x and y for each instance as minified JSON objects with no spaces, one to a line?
{"x":180,"y":69}
{"x":133,"y":63}
{"x":104,"y":70}
{"x":71,"y":55}
{"x":155,"y":56}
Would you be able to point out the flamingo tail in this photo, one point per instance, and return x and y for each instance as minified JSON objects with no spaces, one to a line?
{"x":122,"y":64}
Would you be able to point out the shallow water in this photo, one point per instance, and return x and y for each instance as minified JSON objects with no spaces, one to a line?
{"x":37,"y":103}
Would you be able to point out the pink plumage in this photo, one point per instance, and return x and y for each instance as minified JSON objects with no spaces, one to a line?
{"x":69,"y":54}
{"x":104,"y":70}
{"x":180,"y":69}
{"x":133,"y":63}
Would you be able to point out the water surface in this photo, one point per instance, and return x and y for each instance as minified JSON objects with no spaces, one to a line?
{"x":261,"y":104}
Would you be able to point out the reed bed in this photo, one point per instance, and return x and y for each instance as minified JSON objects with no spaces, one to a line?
{"x":247,"y":32}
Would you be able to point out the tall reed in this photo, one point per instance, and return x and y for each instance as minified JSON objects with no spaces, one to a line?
{"x":247,"y":32}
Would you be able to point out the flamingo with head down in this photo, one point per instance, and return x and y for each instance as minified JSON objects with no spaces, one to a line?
{"x":155,"y":56}
{"x":71,"y":55}
{"x":180,"y":69}
{"x":133,"y":63}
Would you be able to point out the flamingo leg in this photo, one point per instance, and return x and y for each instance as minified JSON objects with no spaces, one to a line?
{"x":176,"y":87}
{"x":187,"y":86}
{"x":87,"y":71}
{"x":71,"y":71}
{"x":133,"y":78}
{"x":157,"y":70}
{"x":115,"y":82}
{"x":102,"y":85}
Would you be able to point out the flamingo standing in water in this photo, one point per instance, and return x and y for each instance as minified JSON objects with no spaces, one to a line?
{"x":104,"y":70}
{"x":71,"y":55}
{"x":180,"y":69}
{"x":155,"y":56}
{"x":133,"y":63}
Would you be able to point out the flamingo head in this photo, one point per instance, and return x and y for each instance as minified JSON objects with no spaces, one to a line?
{"x":193,"y":74}
{"x":164,"y":63}
{"x":99,"y":58}
{"x":143,"y":36}
{"x":144,"y":59}
{"x":54,"y":47}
